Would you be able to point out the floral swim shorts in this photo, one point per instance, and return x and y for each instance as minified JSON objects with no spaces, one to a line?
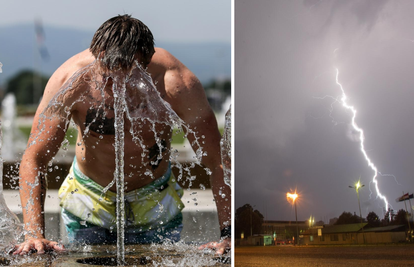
{"x":152,"y":213}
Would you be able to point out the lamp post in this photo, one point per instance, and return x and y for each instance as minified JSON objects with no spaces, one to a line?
{"x":357,"y":186}
{"x":294,"y":196}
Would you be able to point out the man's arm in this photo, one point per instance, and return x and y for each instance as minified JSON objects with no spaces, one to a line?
{"x":187,"y":97}
{"x":44,"y":142}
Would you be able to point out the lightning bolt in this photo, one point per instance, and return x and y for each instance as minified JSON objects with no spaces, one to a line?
{"x":343,"y":100}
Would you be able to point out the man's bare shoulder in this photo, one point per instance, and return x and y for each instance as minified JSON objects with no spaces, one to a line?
{"x":70,"y":66}
{"x":182,"y":89}
{"x":176,"y":76}
{"x":164,"y":60}
{"x":63,"y":74}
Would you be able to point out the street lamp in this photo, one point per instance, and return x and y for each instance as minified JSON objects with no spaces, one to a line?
{"x":357,"y":186}
{"x":311,"y":221}
{"x":294,"y":196}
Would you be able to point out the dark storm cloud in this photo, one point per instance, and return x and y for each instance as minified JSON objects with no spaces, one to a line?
{"x":286,"y":53}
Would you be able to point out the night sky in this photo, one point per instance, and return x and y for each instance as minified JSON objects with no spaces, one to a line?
{"x":289,"y":136}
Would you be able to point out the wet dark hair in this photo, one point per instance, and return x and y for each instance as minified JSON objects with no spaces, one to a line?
{"x":122,"y":39}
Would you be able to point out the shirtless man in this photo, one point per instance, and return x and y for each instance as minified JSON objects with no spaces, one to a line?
{"x":118,"y":44}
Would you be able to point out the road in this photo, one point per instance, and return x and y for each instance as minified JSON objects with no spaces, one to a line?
{"x":324,"y":256}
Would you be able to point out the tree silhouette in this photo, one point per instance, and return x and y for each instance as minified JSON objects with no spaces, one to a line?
{"x":373,"y":220}
{"x":348,"y":218}
{"x":388,"y":218}
{"x":248,"y":220}
{"x":400,"y":218}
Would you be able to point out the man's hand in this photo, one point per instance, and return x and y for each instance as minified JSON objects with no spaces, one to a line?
{"x":221,"y":247}
{"x":38,"y":245}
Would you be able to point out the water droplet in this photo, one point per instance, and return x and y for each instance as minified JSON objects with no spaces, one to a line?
{"x":208,"y":171}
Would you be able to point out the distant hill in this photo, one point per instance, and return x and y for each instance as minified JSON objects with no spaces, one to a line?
{"x":18,"y":50}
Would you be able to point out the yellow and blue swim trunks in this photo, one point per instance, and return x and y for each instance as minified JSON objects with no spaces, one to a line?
{"x":152,"y":213}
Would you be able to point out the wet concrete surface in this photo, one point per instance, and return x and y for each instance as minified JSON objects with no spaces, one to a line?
{"x":324,"y":256}
{"x":135,"y":255}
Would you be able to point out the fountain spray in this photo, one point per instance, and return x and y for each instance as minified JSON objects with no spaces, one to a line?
{"x":10,"y":227}
{"x":225,"y":146}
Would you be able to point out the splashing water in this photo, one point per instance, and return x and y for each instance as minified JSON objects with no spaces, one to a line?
{"x":194,"y":257}
{"x":225,"y":145}
{"x":10,"y":227}
{"x":139,"y":113}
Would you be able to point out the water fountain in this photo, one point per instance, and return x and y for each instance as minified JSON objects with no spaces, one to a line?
{"x":10,"y":226}
{"x":13,"y":140}
{"x":156,"y":112}
{"x":225,"y":145}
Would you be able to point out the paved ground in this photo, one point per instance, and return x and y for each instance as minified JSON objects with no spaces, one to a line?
{"x":135,"y":255}
{"x":381,"y":255}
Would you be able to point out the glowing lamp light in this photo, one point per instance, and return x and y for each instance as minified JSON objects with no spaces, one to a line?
{"x":311,"y":221}
{"x":357,"y":186}
{"x":293,"y":196}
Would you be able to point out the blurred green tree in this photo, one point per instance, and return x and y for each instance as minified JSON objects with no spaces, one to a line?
{"x":27,"y":86}
{"x":224,"y":86}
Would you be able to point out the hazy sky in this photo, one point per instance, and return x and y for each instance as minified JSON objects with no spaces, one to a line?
{"x":175,"y":21}
{"x":287,"y":138}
